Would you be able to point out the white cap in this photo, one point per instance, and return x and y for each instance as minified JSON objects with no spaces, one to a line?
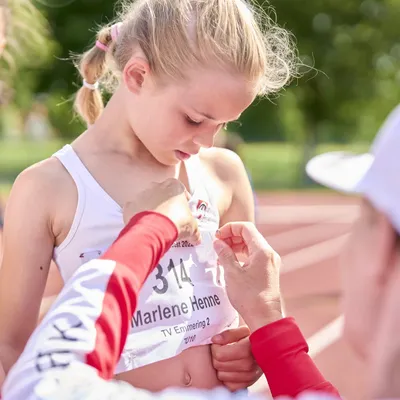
{"x":375,"y":175}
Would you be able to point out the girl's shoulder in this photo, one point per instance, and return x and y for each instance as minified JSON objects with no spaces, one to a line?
{"x":42,"y":185}
{"x":45,"y":175}
{"x":224,"y":164}
{"x":227,"y":170}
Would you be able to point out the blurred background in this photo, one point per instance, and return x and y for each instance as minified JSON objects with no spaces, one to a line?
{"x":353,"y":47}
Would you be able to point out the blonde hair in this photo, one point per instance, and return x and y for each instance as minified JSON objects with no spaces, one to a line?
{"x":176,"y":34}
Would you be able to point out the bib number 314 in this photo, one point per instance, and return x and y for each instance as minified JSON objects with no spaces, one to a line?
{"x":162,"y":282}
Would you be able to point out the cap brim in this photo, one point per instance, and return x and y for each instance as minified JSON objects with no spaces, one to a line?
{"x":340,"y":171}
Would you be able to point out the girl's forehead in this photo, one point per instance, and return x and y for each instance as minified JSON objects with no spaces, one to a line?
{"x":216,"y":95}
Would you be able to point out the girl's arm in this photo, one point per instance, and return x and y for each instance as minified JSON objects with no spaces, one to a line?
{"x":28,"y":245}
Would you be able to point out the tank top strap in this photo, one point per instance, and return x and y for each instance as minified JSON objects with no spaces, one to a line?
{"x":80,"y":174}
{"x":72,"y":164}
{"x":198,"y":180}
{"x":194,"y":173}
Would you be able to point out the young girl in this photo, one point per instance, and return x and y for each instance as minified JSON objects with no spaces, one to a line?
{"x":181,"y":69}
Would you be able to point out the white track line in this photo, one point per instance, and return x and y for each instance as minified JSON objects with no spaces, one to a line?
{"x":325,"y":337}
{"x":313,"y":254}
{"x":306,"y":214}
{"x":301,"y":237}
{"x":315,"y":208}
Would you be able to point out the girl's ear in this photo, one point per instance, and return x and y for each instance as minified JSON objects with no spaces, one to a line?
{"x":135,"y":72}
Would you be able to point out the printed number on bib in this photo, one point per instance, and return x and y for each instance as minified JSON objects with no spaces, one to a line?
{"x":162,"y":282}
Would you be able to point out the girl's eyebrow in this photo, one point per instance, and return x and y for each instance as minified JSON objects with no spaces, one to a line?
{"x":212,"y":118}
{"x":204,"y":115}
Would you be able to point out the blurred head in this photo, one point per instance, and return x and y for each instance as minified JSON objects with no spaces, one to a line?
{"x":372,"y":254}
{"x":184,"y":68}
{"x":3,"y":26}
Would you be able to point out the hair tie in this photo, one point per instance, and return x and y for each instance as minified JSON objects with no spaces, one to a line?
{"x":115,"y":31}
{"x":101,"y":46}
{"x":90,"y":86}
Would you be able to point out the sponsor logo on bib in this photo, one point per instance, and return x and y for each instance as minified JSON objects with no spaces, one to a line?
{"x":201,"y":209}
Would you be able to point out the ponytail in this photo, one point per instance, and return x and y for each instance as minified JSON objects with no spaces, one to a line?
{"x":92,"y":67}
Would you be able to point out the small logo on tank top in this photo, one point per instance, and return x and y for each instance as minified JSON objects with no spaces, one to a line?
{"x":89,"y":255}
{"x":201,"y":209}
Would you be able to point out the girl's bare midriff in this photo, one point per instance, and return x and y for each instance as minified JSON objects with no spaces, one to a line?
{"x":191,"y":368}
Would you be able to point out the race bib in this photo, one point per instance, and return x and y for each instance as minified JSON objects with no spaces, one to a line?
{"x":182,"y":304}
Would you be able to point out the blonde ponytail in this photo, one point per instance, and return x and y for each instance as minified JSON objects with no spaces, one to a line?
{"x":92,"y":67}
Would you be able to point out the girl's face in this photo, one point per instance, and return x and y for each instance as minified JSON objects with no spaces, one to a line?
{"x":175,"y":120}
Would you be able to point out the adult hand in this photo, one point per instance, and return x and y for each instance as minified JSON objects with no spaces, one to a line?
{"x":233,"y":360}
{"x":252,"y":286}
{"x":169,"y":198}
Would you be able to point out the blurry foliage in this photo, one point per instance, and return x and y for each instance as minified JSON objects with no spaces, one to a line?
{"x":74,"y":24}
{"x":29,"y":50}
{"x":352,"y":45}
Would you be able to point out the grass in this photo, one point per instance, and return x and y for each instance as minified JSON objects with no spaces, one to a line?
{"x":279,"y":165}
{"x":15,"y":156}
{"x":273,"y":166}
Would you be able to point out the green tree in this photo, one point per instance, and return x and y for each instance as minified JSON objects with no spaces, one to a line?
{"x":28,"y":50}
{"x":354,"y":48}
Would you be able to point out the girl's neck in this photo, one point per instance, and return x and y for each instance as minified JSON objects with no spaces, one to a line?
{"x":112,"y":130}
{"x":113,"y":133}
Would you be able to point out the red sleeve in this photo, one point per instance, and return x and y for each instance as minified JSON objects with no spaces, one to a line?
{"x":282,"y":353}
{"x":141,"y":244}
{"x":136,"y":252}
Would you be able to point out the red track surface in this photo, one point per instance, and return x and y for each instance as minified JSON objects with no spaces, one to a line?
{"x":308,"y":231}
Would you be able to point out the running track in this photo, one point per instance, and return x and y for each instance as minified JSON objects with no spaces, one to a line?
{"x":308,"y":231}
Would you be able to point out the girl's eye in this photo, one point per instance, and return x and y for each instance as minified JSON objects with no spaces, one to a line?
{"x":192,"y":122}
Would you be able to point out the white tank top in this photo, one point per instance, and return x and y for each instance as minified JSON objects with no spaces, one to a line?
{"x":183,"y":302}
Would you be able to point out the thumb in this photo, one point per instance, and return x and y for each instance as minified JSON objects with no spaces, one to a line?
{"x":231,"y":335}
{"x":226,"y":256}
